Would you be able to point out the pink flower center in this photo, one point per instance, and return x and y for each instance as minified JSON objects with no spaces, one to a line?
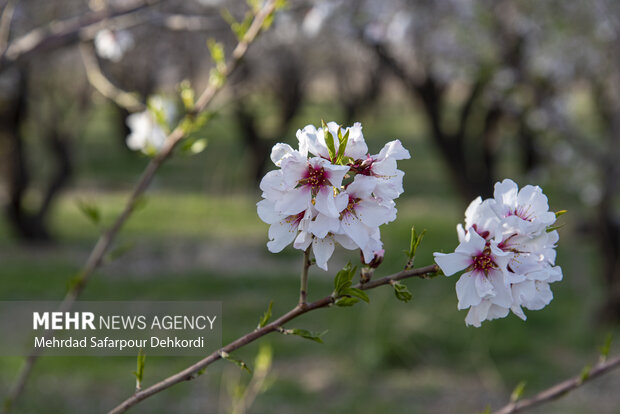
{"x":315,"y":178}
{"x":295,"y":219}
{"x":350,"y":209}
{"x":363,"y":167}
{"x":483,"y":261}
{"x":522,"y":212}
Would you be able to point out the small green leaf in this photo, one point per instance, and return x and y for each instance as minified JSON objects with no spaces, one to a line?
{"x":237,"y":362}
{"x":217,"y":52}
{"x":201,"y":371}
{"x":358,"y":293}
{"x":266,"y":316}
{"x":344,"y":279}
{"x":342,"y":146}
{"x":313,"y":336}
{"x":606,"y":347}
{"x":329,"y":141}
{"x":585,"y":373}
{"x":517,"y":392}
{"x":188,"y":95}
{"x":560,"y":213}
{"x":487,"y":410}
{"x":139,"y":373}
{"x":90,"y":210}
{"x":346,"y":301}
{"x":119,"y":251}
{"x":553,"y":228}
{"x":140,"y":203}
{"x":401,"y":292}
{"x":414,"y":243}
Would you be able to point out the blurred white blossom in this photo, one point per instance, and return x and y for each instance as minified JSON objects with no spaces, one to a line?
{"x":113,"y":45}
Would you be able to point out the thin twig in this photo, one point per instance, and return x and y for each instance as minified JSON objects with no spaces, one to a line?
{"x":105,"y":241}
{"x":5,"y":24}
{"x":103,"y":85}
{"x":303,"y":290}
{"x":561,"y":388}
{"x":59,"y":33}
{"x":275,"y":326}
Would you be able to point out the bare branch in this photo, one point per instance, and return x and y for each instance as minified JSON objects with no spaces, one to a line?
{"x":275,"y":326}
{"x":107,"y":238}
{"x":560,"y":389}
{"x":5,"y":24}
{"x":103,"y":85}
{"x":59,"y":33}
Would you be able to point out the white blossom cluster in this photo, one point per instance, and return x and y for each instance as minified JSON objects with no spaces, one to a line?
{"x":507,"y":249}
{"x":149,"y":128}
{"x":331,"y":191}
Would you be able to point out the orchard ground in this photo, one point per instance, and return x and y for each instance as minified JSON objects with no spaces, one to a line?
{"x":198,"y":238}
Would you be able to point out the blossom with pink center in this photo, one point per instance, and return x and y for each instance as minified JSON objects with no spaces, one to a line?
{"x":485,"y":276}
{"x":317,"y":200}
{"x":519,"y":252}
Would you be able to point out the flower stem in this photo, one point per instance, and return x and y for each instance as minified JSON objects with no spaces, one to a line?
{"x":303,"y":291}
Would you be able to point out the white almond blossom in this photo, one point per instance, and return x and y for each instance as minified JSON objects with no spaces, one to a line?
{"x":318,"y":200}
{"x":507,"y":248}
{"x":113,"y":45}
{"x":149,"y":128}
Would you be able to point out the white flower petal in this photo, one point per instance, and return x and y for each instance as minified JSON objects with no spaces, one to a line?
{"x":323,"y":250}
{"x":466,"y":291}
{"x":451,"y":263}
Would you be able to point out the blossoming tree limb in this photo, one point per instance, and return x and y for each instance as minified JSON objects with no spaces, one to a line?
{"x":106,"y":240}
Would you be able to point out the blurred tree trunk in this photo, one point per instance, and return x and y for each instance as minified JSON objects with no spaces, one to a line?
{"x":288,"y":92}
{"x":469,"y":155}
{"x":27,"y":221}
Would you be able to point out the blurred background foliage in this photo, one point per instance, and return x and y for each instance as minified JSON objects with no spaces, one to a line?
{"x":476,"y":90}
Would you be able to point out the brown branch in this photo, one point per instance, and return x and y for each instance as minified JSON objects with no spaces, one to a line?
{"x":560,"y":389}
{"x":189,"y":373}
{"x":103,"y":85}
{"x":5,"y":24}
{"x":60,"y":33}
{"x":105,"y":241}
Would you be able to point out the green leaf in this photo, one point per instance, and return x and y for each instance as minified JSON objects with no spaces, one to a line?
{"x":414,"y":243}
{"x":329,"y":141}
{"x":346,"y":301}
{"x":217,"y":52}
{"x":342,"y":146}
{"x":343,"y":279}
{"x":266,"y":316}
{"x":139,"y":372}
{"x":188,"y":95}
{"x":401,"y":292}
{"x":119,"y":251}
{"x":237,"y":362}
{"x":313,"y":336}
{"x":585,"y":373}
{"x":606,"y":347}
{"x":560,"y":213}
{"x":90,"y":211}
{"x":358,"y":293}
{"x":140,"y":203}
{"x":518,"y":391}
{"x":194,"y":146}
{"x":487,"y":410}
{"x":553,"y":228}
